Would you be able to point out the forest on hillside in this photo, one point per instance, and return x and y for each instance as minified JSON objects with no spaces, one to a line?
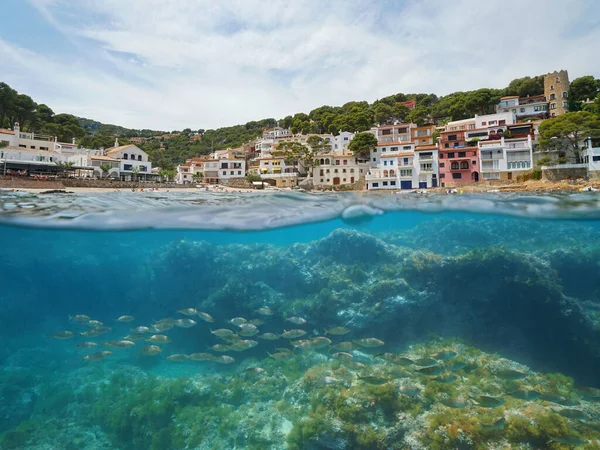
{"x":166,"y":150}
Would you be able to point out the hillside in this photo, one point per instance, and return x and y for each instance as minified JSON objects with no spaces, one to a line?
{"x":167,"y":150}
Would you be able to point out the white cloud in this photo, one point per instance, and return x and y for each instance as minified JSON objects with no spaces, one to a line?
{"x":201,"y":64}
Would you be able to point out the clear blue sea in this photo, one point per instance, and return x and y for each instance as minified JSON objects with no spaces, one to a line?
{"x":357,"y":321}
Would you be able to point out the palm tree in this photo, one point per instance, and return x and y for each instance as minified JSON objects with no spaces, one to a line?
{"x":66,"y":166}
{"x":105,"y":168}
{"x":198,"y":177}
{"x":135,"y":171}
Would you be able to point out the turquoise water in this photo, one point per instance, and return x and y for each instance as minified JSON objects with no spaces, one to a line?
{"x":470,"y":286}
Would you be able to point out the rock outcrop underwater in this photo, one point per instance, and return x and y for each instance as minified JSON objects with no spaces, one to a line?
{"x":440,"y":394}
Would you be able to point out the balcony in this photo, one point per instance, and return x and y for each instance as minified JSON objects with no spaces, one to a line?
{"x":391,"y":138}
{"x":517,"y":145}
{"x":459,"y":136}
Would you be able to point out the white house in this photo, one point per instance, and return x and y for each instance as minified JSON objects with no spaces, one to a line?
{"x":507,"y":157}
{"x":132,"y":159}
{"x":590,"y":155}
{"x":531,"y":107}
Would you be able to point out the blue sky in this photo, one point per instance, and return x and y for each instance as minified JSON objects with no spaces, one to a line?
{"x":205,"y":63}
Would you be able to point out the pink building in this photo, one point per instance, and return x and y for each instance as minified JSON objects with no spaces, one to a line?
{"x":458,"y":163}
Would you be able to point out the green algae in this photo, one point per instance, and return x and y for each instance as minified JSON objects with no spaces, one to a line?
{"x":287,"y":406}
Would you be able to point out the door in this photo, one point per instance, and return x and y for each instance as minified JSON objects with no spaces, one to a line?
{"x":352,"y":180}
{"x":422,"y":184}
{"x":434,"y":182}
{"x":406,"y":184}
{"x":510,"y":175}
{"x":336,"y":181}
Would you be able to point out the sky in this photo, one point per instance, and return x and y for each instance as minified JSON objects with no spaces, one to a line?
{"x":177,"y":64}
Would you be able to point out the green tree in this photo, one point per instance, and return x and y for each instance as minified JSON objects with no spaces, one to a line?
{"x":318,"y":145}
{"x":362,"y":144}
{"x":568,"y":131}
{"x":167,"y":174}
{"x":105,"y":168}
{"x":135,"y":172}
{"x":66,"y":166}
{"x":581,"y":89}
{"x":526,"y":86}
{"x":296,"y":153}
{"x":198,"y":177}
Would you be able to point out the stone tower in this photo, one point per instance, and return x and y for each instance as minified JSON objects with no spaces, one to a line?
{"x":556,"y":90}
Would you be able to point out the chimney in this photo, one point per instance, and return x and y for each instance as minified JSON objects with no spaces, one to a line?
{"x":116,"y":142}
{"x":73,"y":141}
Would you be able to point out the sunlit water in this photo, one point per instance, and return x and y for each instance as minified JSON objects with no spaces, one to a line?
{"x":496,"y":282}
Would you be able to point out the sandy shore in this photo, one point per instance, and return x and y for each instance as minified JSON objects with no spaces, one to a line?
{"x":528,"y":186}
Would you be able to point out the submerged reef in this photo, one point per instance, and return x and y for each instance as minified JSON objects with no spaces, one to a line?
{"x":522,"y":302}
{"x":440,"y":394}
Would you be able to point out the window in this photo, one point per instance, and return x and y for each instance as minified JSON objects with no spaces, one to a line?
{"x":565,"y":104}
{"x":143,"y":169}
{"x":493,"y":122}
{"x":451,"y":155}
{"x":446,"y":145}
{"x":406,"y":173}
{"x":343,"y":170}
{"x":385,"y":162}
{"x":442,"y":165}
{"x":462,"y":154}
{"x":537,"y":108}
{"x":442,"y":175}
{"x":552,"y":105}
{"x":457,"y":176}
{"x":239,"y":172}
{"x":232,"y":173}
{"x":374,"y":150}
{"x":407,"y":147}
{"x":345,"y":162}
{"x":385,"y":183}
{"x":391,"y":162}
{"x":374,"y":159}
{"x":337,"y":162}
{"x":405,"y":161}
{"x":43,"y":148}
{"x":127,"y":167}
{"x":464,"y":165}
{"x":552,"y":86}
{"x":224,"y":173}
{"x":474,"y":162}
{"x":503,"y":122}
{"x":454,"y":166}
{"x":441,"y":156}
{"x":453,"y":137}
{"x":552,"y":96}
{"x":321,"y":172}
{"x":375,"y":184}
{"x":564,"y":94}
{"x":394,"y":149}
{"x":392,"y":183}
{"x":345,"y":138}
{"x":139,"y":157}
{"x":596,"y":158}
{"x":522,"y":110}
{"x":344,"y":179}
{"x":133,"y":156}
{"x":335,"y":171}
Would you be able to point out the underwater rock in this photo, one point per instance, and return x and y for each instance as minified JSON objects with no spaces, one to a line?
{"x":351,"y":247}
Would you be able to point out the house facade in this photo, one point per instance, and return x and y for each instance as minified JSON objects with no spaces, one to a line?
{"x":590,"y":156}
{"x":133,"y":161}
{"x":336,"y":169}
{"x":507,"y":157}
